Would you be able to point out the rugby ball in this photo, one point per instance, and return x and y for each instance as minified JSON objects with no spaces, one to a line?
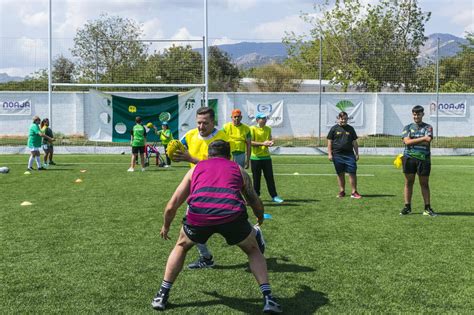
{"x":173,"y":146}
{"x":4,"y":170}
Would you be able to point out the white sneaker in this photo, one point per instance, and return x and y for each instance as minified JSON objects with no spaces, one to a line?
{"x":167,"y":165}
{"x":130,"y":169}
{"x":143,"y":169}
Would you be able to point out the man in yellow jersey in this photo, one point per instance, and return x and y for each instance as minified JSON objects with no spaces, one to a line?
{"x":197,"y":141}
{"x":239,"y":134}
{"x":138,"y":142}
{"x":260,"y":160}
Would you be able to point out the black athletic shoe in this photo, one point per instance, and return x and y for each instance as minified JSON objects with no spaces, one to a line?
{"x":52,"y":163}
{"x":159,"y":301}
{"x":202,"y":263}
{"x":405,"y":211}
{"x":41,"y":168}
{"x":30,"y":169}
{"x":271,"y":306}
{"x":429,"y":212}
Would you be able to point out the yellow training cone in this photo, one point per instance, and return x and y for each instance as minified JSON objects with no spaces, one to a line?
{"x":296,"y":173}
{"x":27,"y":173}
{"x":26,"y":203}
{"x":83,"y":171}
{"x":398,"y":161}
{"x":78,"y":180}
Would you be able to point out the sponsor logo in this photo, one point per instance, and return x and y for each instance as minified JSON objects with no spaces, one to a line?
{"x":190,"y":102}
{"x":132,"y":109}
{"x":14,"y":105}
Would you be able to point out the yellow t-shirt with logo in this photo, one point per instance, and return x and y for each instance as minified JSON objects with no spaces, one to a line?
{"x":197,"y":145}
{"x":259,"y":134}
{"x":238,"y":135}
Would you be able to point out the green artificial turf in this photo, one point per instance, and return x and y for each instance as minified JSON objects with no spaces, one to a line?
{"x":94,"y":247}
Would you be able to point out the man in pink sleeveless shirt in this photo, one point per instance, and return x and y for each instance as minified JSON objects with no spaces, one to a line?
{"x":215,"y":190}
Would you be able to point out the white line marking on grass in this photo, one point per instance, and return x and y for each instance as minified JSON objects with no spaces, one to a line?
{"x":369,"y":165}
{"x":288,"y":174}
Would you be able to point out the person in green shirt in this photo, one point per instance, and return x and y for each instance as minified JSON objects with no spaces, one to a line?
{"x":239,"y":135}
{"x":47,"y":144}
{"x":138,"y":142}
{"x":166,"y":136}
{"x":260,"y":160}
{"x":34,"y":143}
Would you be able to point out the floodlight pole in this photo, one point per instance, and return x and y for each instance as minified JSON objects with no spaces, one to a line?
{"x":437,"y":92}
{"x":50,"y":62}
{"x":206,"y":69}
{"x":320,"y":83}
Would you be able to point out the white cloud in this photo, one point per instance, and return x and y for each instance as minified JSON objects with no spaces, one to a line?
{"x":183,"y":33}
{"x":275,"y":30}
{"x":34,"y":19}
{"x":152,"y":29}
{"x":233,"y":5}
{"x":223,"y":41}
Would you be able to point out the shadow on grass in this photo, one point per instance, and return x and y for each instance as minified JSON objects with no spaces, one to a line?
{"x":376,"y":196}
{"x":454,"y":214}
{"x":289,"y":203}
{"x":305,"y":301}
{"x":273,"y":265}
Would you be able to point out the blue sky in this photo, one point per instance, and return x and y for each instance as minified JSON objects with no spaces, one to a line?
{"x":23,"y":23}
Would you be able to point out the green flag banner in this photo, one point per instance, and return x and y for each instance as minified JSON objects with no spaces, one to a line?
{"x":213,"y":103}
{"x":154,"y":110}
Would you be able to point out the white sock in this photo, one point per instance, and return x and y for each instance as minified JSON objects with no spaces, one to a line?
{"x":38,"y":161}
{"x":30,"y":162}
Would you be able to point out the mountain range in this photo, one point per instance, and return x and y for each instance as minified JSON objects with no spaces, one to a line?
{"x":248,"y":55}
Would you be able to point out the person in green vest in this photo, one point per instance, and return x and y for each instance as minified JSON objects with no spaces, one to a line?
{"x":166,"y":136}
{"x":260,"y":160}
{"x":138,"y":142}
{"x":34,"y":144}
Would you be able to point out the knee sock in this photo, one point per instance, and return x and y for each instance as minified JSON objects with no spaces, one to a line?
{"x":266,"y":289}
{"x":30,"y":161}
{"x":38,"y":161}
{"x":204,"y":251}
{"x":165,"y":287}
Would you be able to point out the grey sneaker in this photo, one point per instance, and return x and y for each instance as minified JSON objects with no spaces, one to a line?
{"x":159,"y":301}
{"x":259,"y":237}
{"x":271,"y":306}
{"x":202,"y":263}
{"x":430,"y":212}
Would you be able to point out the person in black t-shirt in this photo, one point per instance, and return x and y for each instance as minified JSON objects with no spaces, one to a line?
{"x":343,"y":151}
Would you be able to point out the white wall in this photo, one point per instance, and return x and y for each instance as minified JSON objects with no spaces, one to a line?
{"x":384,"y":113}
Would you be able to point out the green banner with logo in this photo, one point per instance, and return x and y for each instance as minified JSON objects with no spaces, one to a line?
{"x":154,"y":110}
{"x":213,"y":103}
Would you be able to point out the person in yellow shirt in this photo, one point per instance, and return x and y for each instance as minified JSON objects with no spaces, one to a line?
{"x":239,"y":133}
{"x":197,"y":142}
{"x":260,"y":160}
{"x":166,"y":136}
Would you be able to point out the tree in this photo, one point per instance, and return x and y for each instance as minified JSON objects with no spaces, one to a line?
{"x":63,"y":69}
{"x":277,"y":78}
{"x":177,"y":64}
{"x":224,"y":76}
{"x":105,"y":45}
{"x":369,"y":46}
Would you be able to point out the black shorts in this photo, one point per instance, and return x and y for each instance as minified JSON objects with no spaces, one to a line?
{"x":136,"y":150}
{"x":234,"y":232}
{"x":415,"y":166}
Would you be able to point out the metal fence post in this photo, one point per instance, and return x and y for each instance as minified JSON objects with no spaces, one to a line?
{"x":320,"y":83}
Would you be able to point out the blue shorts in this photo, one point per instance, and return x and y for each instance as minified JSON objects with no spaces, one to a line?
{"x":344,"y":163}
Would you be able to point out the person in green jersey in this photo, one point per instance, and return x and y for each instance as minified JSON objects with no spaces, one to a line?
{"x":138,"y":142}
{"x":416,"y":159}
{"x":239,"y":133}
{"x":166,"y":136}
{"x":260,"y":160}
{"x":47,"y":144}
{"x":34,"y":143}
